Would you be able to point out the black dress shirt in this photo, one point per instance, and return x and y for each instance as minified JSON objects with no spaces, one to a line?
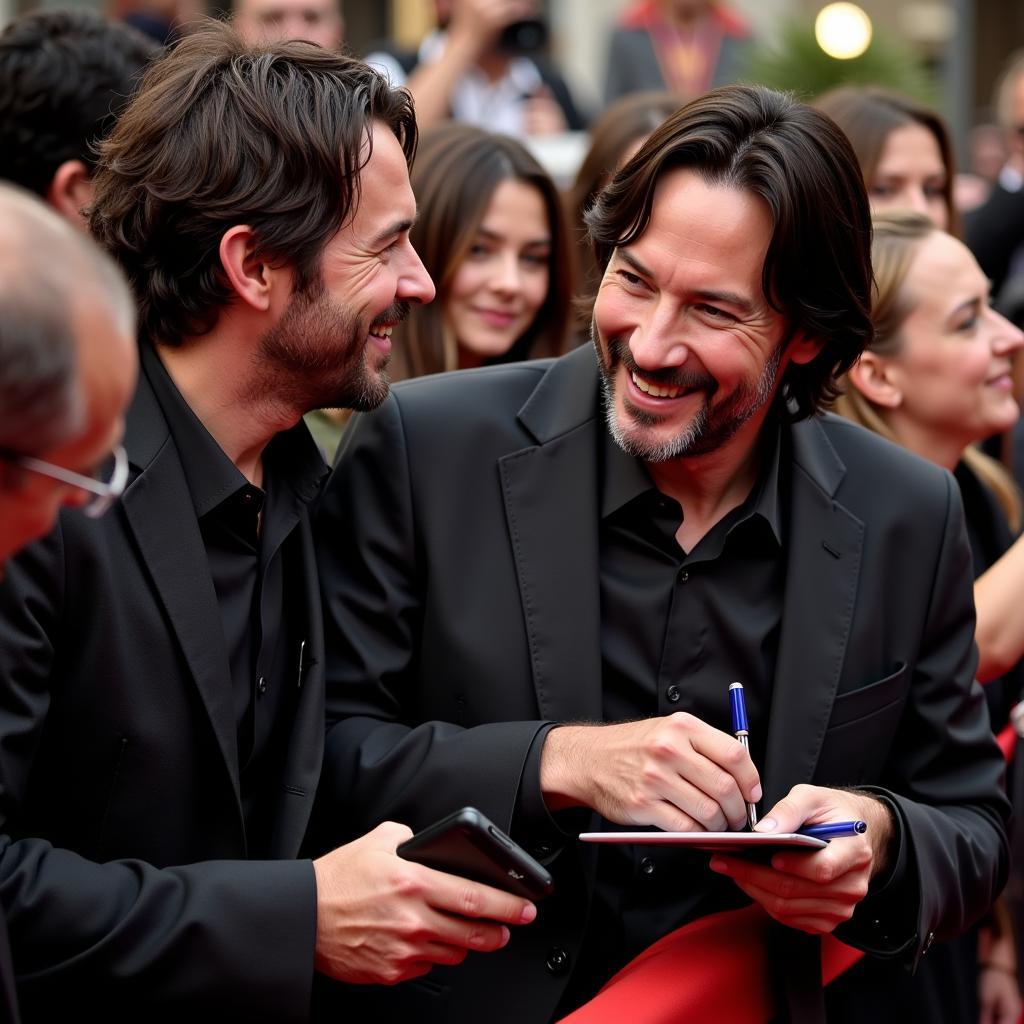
{"x":677,"y":628}
{"x":251,"y":546}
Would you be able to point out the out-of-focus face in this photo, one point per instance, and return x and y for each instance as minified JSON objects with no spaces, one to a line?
{"x":953,"y":366}
{"x":318,"y":21}
{"x":105,"y":375}
{"x":691,"y":352}
{"x":502,"y":282}
{"x":330,"y":347}
{"x":1016,"y":115}
{"x":910,"y":175}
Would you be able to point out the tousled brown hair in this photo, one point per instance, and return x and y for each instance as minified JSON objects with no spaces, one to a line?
{"x":817,"y":271}
{"x":222,"y":133}
{"x":457,"y":170}
{"x":868,"y":115}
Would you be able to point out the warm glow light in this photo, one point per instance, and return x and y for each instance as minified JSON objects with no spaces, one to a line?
{"x":843,"y":31}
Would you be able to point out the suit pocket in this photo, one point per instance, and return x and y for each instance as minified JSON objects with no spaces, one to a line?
{"x":868,"y":700}
{"x":860,"y":732}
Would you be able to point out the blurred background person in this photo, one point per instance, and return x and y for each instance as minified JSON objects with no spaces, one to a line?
{"x":903,"y":149}
{"x":491,"y":232}
{"x":614,"y":137}
{"x":937,"y":379}
{"x":64,"y":77}
{"x":995,"y":230}
{"x":685,"y":46}
{"x":987,"y":154}
{"x":317,"y":21}
{"x":485,"y":65}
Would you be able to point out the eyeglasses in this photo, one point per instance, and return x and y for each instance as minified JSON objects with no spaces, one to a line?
{"x":106,"y":491}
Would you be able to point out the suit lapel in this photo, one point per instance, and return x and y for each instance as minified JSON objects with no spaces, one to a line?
{"x":306,"y":743}
{"x":162,"y":519}
{"x":824,"y":542}
{"x":551,"y":493}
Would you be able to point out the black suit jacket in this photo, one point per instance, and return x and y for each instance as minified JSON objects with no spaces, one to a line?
{"x":458,"y":549}
{"x":123,"y":870}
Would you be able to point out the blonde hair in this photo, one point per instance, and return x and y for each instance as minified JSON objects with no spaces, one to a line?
{"x":894,"y":245}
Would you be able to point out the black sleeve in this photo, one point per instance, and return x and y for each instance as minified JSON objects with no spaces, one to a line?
{"x":229,"y":937}
{"x":381,"y":761}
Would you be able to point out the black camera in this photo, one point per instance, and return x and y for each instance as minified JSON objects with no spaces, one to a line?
{"x":527,"y":36}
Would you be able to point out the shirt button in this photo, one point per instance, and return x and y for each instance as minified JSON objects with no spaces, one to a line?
{"x":647,"y":866}
{"x":247,"y":497}
{"x":557,"y":961}
{"x":673,"y":693}
{"x":683,"y":575}
{"x":261,"y":685}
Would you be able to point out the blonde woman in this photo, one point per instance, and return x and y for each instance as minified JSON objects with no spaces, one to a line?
{"x":937,"y":379}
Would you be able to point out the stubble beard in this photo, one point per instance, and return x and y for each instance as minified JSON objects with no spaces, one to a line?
{"x":708,"y":430}
{"x":315,"y":356}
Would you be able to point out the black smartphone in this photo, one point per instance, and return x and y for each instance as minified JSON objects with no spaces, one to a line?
{"x":467,"y":844}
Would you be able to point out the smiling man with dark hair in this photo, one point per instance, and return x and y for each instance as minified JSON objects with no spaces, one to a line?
{"x":539,"y":611}
{"x":163,"y":666}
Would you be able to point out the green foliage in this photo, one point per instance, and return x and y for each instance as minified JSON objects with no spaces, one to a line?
{"x":799,"y":65}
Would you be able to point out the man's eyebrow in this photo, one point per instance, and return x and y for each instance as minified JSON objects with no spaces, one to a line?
{"x":627,"y":257}
{"x":744,"y":305}
{"x":392,"y":231}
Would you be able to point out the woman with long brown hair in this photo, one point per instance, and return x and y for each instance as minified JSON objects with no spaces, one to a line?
{"x":903,"y":149}
{"x":491,"y":232}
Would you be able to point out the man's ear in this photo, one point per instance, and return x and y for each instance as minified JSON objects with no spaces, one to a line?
{"x":250,"y":275}
{"x":874,"y":377}
{"x":70,"y":192}
{"x":803,"y":349}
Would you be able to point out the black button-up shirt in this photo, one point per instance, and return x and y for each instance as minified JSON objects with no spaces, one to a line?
{"x":677,"y":628}
{"x":252,"y":549}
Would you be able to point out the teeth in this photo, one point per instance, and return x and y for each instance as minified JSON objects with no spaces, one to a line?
{"x":656,"y":392}
{"x":382,"y":332}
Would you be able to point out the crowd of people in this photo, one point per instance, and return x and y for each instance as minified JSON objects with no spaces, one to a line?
{"x":353,"y":471}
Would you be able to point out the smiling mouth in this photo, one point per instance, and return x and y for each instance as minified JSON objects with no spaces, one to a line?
{"x":653,"y":389}
{"x":382,"y":330}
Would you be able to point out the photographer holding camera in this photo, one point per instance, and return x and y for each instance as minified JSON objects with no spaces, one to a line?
{"x":485,"y":65}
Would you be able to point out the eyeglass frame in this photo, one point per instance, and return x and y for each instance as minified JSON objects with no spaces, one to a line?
{"x":105,"y":493}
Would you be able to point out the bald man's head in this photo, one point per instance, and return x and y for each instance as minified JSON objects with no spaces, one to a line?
{"x":67,"y":359}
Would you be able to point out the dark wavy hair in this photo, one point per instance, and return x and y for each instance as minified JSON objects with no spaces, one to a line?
{"x":222,"y":133}
{"x":817,"y":271}
{"x":64,"y":75}
{"x":458,"y":168}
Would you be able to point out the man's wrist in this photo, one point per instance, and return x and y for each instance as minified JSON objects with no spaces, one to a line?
{"x":881,"y":829}
{"x":562,"y":778}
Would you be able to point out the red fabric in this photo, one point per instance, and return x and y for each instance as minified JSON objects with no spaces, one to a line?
{"x":714,"y":969}
{"x":644,"y":13}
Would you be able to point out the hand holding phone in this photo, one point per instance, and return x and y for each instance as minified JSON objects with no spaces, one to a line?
{"x":467,"y":844}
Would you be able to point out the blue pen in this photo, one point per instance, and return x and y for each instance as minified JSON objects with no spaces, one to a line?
{"x":739,"y":728}
{"x":834,"y":830}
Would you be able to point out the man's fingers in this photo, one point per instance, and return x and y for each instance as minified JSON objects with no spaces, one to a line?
{"x":464,"y":898}
{"x":728,"y":757}
{"x":439,"y":929}
{"x":813,"y":915}
{"x":827,"y":878}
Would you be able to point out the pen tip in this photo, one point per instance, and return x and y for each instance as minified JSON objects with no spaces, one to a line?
{"x":735,"y":686}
